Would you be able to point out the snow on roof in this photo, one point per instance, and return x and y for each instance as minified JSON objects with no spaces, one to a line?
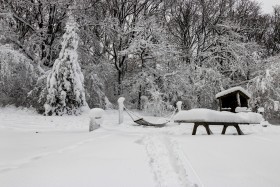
{"x":233,"y":89}
{"x":207,"y":115}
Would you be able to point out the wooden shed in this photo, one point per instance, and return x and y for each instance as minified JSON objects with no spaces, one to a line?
{"x":231,"y":98}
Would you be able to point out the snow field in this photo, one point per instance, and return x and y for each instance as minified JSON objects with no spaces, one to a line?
{"x":250,"y":160}
{"x":43,"y":151}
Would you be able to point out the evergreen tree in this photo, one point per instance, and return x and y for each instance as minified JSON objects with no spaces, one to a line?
{"x":65,"y":83}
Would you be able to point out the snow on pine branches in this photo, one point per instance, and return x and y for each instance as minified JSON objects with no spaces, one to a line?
{"x":65,"y":83}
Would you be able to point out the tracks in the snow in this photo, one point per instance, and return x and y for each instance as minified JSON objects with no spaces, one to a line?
{"x":40,"y":156}
{"x":169,"y":164}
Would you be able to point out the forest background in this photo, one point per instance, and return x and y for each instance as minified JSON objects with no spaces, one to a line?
{"x":152,"y":52}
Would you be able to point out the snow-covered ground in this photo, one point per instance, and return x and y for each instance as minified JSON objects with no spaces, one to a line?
{"x":41,"y":151}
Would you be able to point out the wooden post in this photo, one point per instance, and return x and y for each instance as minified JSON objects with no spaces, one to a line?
{"x":238,"y":130}
{"x":224,"y":129}
{"x":238,"y":99}
{"x":220,"y":104}
{"x":121,"y":108}
{"x":179,"y":105}
{"x":194,"y":129}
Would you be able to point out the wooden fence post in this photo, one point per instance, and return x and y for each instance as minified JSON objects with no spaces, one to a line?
{"x":121,"y":108}
{"x":238,"y":99}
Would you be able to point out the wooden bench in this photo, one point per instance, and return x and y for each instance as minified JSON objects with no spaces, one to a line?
{"x":209,"y":132}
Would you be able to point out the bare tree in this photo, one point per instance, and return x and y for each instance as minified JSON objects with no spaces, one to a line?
{"x":37,"y":27}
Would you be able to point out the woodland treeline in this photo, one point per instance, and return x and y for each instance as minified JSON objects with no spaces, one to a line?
{"x":152,"y":52}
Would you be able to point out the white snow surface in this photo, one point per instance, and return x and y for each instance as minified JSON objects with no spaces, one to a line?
{"x":233,"y":89}
{"x":207,"y":115}
{"x":58,"y":151}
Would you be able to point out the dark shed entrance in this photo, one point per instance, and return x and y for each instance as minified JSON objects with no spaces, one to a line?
{"x":232,"y":98}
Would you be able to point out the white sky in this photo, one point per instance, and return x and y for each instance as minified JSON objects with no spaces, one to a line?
{"x":268,"y":4}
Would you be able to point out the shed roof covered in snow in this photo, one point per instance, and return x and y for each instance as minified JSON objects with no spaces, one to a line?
{"x":232,"y":90}
{"x":232,"y":98}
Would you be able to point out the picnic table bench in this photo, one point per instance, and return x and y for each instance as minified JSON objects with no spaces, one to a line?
{"x":208,"y":130}
{"x":207,"y":117}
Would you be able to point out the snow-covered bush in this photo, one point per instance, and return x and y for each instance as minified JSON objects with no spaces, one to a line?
{"x":156,"y":105}
{"x":95,"y":95}
{"x":265,"y":89}
{"x":17,"y":77}
{"x":205,"y":84}
{"x":38,"y":95}
{"x":65,"y":83}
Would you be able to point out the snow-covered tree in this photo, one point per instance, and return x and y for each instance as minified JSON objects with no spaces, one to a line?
{"x":265,"y":88}
{"x":35,"y":27}
{"x":230,"y":53}
{"x":151,"y":54}
{"x":65,"y":83}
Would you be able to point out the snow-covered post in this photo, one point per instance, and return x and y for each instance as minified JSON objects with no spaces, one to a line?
{"x":261,"y":110}
{"x":179,"y":105}
{"x":95,"y":118}
{"x":121,"y":108}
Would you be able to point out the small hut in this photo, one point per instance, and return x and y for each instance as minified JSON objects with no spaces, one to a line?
{"x":231,"y":98}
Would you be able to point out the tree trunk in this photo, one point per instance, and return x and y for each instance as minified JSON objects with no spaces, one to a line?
{"x":139,"y":97}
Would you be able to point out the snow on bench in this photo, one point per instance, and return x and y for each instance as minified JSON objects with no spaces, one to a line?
{"x":206,"y":117}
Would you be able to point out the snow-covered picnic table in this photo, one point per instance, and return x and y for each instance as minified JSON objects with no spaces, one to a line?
{"x":206,"y":117}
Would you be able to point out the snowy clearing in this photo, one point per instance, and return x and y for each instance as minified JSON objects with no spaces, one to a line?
{"x":59,"y":151}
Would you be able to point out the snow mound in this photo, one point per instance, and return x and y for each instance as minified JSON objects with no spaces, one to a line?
{"x":96,"y":113}
{"x":242,"y":109}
